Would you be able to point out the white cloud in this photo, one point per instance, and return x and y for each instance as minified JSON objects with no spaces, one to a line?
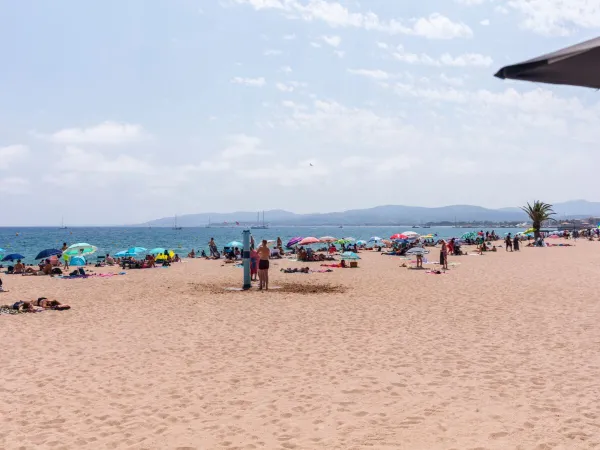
{"x":252,"y":82}
{"x":464,"y":60}
{"x":334,"y":14}
{"x":14,"y":185}
{"x":382,"y":45}
{"x":485,"y":22}
{"x":272,"y":52}
{"x":106,"y":133}
{"x":339,"y":53}
{"x":289,"y":37}
{"x":375,"y":74}
{"x":11,"y":154}
{"x":315,"y":44}
{"x":284,"y":87}
{"x":557,"y":17}
{"x":290,"y":86}
{"x":241,"y":146}
{"x":77,"y":160}
{"x":286,"y":69}
{"x":334,"y":41}
{"x":549,"y":17}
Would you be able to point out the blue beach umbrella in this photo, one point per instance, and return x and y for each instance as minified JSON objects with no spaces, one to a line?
{"x":350,"y":255}
{"x":234,"y":244}
{"x":48,"y":253}
{"x":361,"y":242}
{"x":375,"y":239}
{"x":77,"y":261}
{"x":137,"y":250}
{"x":157,"y":251}
{"x":13,"y":257}
{"x":124,"y":253}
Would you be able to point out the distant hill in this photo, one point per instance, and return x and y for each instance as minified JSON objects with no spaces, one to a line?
{"x":383,"y":215}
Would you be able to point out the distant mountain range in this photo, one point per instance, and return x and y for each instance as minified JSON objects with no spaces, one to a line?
{"x":382,"y":215}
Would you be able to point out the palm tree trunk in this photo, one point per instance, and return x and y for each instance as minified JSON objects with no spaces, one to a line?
{"x":536,"y":230}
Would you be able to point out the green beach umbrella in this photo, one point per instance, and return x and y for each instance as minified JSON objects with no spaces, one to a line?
{"x":81,"y":249}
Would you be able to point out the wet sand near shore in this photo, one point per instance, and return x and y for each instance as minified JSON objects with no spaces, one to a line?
{"x":501,"y":352}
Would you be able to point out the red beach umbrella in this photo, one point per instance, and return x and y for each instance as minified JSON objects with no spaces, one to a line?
{"x":398,"y":236}
{"x":309,"y":241}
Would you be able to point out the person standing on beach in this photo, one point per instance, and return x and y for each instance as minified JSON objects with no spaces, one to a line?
{"x":264,"y":253}
{"x":516,"y":243}
{"x":252,"y":243}
{"x":444,"y":255}
{"x":253,"y":264}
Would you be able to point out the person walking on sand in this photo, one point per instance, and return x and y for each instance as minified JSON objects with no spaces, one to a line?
{"x":264,"y":253}
{"x":508,"y":243}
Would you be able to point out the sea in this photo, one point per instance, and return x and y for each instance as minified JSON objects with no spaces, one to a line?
{"x":29,"y":241}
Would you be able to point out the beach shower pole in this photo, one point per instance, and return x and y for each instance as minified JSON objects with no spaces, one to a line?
{"x":246,"y":257}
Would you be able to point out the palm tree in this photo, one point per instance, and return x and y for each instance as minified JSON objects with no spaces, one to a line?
{"x":538,"y":212}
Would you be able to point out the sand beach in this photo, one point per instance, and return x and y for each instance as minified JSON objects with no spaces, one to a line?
{"x":499,"y":353}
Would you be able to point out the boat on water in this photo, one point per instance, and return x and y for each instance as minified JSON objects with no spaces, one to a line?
{"x":62,"y":224}
{"x":175,"y":226}
{"x":260,"y":226}
{"x":416,"y":226}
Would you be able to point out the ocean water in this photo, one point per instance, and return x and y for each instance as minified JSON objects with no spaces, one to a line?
{"x":29,"y":241}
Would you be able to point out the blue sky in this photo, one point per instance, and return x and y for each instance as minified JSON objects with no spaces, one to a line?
{"x":124,"y":111}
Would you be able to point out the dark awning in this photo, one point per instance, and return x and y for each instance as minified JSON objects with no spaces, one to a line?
{"x":578,"y":65}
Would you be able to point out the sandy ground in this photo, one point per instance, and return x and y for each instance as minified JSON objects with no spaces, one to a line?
{"x":503,"y":352}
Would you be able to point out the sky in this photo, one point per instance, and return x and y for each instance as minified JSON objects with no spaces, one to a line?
{"x":123,"y":111}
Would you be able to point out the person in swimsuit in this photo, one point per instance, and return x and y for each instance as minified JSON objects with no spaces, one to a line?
{"x":19,"y":267}
{"x":264,"y":254}
{"x":444,"y":255}
{"x":253,"y":264}
{"x":43,"y":302}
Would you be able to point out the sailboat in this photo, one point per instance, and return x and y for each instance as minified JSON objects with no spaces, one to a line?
{"x":175,"y":227}
{"x":208,"y":226}
{"x":62,"y":224}
{"x":258,"y":225}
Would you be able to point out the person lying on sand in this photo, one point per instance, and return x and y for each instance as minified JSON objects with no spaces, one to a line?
{"x":296,"y":270}
{"x":43,"y":302}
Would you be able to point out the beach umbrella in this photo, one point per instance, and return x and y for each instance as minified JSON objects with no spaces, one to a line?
{"x":13,"y":257}
{"x":417,"y":251}
{"x":137,"y":250}
{"x":77,"y":261}
{"x":309,"y":241}
{"x":234,"y":244}
{"x":327,"y":239}
{"x":395,"y":237}
{"x":375,"y":239}
{"x":350,"y":255}
{"x":529,"y":230}
{"x":361,"y":242}
{"x":410,"y":234}
{"x":2,"y":250}
{"x":47,"y":253}
{"x":124,"y":253}
{"x":578,"y":65}
{"x":469,"y":235}
{"x":81,"y":249}
{"x":342,"y":241}
{"x":349,"y":239}
{"x":293,"y":241}
{"x":428,"y":236}
{"x":157,"y":250}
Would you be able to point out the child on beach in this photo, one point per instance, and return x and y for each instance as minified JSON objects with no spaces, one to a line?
{"x":253,"y":264}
